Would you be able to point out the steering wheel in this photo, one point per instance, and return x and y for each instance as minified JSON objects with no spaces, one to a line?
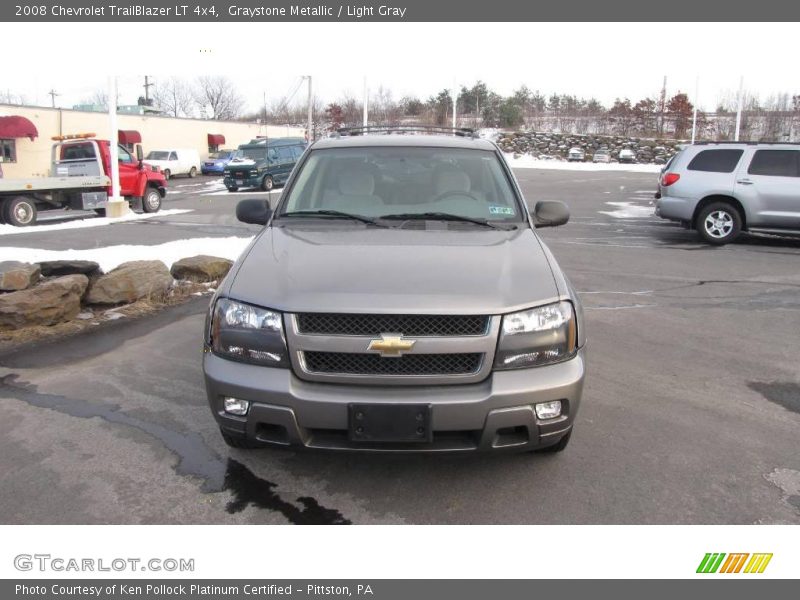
{"x":447,"y":194}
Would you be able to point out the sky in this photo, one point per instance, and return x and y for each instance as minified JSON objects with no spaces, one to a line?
{"x":604,"y":60}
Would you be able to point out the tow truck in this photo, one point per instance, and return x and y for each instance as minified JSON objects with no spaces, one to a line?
{"x":80,"y":179}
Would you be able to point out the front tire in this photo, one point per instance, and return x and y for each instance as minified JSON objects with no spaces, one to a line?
{"x":233,"y":189}
{"x":192,"y":172}
{"x":267,"y":183}
{"x":20,"y":211}
{"x":719,"y":223}
{"x":151,"y":201}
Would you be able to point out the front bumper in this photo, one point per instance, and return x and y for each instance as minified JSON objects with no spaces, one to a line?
{"x":242,"y":182}
{"x":495,"y":414}
{"x":212,"y":170}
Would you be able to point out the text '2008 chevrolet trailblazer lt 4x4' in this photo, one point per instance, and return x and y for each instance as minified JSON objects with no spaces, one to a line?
{"x":397,"y":299}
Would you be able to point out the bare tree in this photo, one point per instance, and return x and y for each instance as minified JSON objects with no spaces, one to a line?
{"x":8,"y":97}
{"x":174,"y":97}
{"x":98,"y":97}
{"x":217,"y":98}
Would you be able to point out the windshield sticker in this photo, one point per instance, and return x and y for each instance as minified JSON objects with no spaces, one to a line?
{"x":501,"y":210}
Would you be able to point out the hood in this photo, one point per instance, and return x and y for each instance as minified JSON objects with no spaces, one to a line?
{"x":305,"y":268}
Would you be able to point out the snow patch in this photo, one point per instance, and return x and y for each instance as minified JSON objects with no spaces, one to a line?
{"x":90,"y":222}
{"x":110,"y":257}
{"x":628,"y":210}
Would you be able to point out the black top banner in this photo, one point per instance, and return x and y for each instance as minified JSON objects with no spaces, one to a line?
{"x":663,"y":13}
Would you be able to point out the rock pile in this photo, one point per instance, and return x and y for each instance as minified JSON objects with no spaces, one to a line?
{"x":557,"y":145}
{"x":52,"y":292}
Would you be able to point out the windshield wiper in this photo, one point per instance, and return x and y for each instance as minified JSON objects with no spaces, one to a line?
{"x":336,"y":214}
{"x":442,"y":216}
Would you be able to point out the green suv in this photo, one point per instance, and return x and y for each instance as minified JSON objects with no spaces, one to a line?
{"x":263,"y":163}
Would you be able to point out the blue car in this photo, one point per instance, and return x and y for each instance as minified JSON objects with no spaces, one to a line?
{"x":216,"y":162}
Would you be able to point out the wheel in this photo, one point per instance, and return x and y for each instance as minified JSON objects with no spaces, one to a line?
{"x":267,"y":183}
{"x":719,"y":223}
{"x":233,"y":189}
{"x":192,"y":172}
{"x":101,"y":212}
{"x":166,"y":173}
{"x":239,"y":441}
{"x":19,"y":211}
{"x":559,"y":447}
{"x":151,"y":202}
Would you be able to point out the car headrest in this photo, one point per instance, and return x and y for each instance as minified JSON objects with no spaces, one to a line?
{"x":356,"y":182}
{"x":452,"y":180}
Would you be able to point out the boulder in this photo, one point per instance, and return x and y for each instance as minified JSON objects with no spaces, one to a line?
{"x":18,"y":275}
{"x":129,"y":282}
{"x":48,"y":303}
{"x":201,"y":268}
{"x":57,"y":268}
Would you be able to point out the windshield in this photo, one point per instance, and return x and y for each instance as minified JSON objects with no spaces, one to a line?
{"x":250,"y":154}
{"x":157,"y":155}
{"x":220,"y":155}
{"x":381,"y":181}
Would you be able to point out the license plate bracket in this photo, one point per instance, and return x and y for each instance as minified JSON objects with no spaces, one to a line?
{"x":408,"y":423}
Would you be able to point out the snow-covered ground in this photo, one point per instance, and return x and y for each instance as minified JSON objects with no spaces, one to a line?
{"x":527,"y":161}
{"x":109,"y":257}
{"x":89,"y":222}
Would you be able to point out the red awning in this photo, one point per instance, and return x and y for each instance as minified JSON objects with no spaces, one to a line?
{"x":17,"y":127}
{"x":129,"y":137}
{"x":216,"y":139}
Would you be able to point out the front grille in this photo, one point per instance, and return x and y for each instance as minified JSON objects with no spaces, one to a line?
{"x":408,"y":325}
{"x":410,"y":364}
{"x":239,"y":174}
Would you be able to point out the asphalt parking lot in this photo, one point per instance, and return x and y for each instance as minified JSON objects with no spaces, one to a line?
{"x":691,"y":410}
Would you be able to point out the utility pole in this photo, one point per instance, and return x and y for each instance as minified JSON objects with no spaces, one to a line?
{"x":147,"y":86}
{"x":739,"y":103}
{"x":52,"y":93}
{"x":266,"y":131}
{"x":696,"y":100}
{"x":662,"y":104}
{"x":116,"y":206}
{"x":366,"y":103}
{"x":455,"y":102}
{"x":310,"y":114}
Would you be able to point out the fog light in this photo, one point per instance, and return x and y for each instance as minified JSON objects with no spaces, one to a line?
{"x":548,"y":410}
{"x":235,"y":406}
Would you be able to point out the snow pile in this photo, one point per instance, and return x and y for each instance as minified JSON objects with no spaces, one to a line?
{"x":90,"y":222}
{"x":113,"y":256}
{"x":526,"y":161}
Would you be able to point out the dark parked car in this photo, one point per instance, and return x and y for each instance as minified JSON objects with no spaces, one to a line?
{"x":263,"y":163}
{"x":216,"y":162}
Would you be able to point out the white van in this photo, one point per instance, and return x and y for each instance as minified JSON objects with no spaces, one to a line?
{"x":179,"y":161}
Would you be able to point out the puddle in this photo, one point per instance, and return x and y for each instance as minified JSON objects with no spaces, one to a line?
{"x":194,"y":458}
{"x":783,"y":393}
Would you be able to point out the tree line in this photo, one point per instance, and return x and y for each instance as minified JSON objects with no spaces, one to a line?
{"x":775,"y":118}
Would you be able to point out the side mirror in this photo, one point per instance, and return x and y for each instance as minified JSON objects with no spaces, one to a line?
{"x":139,"y":153}
{"x":255,"y":212}
{"x":550,"y":213}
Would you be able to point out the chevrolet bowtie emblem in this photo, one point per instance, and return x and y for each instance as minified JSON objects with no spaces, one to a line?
{"x":391,"y":345}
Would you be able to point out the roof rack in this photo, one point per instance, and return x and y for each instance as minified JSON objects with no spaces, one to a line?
{"x":748,"y":143}
{"x":404,"y":129}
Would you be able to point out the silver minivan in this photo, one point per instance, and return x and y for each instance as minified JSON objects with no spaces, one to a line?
{"x":722,"y":189}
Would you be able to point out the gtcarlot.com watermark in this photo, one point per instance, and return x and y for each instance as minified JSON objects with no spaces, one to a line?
{"x":48,"y":563}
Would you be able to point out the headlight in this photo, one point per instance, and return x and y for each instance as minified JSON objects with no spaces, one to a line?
{"x":539,"y":336}
{"x":248,"y":333}
{"x":253,"y":171}
{"x":226,"y":171}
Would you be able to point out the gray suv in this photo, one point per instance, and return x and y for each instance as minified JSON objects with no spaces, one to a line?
{"x":398,"y":298}
{"x":722,"y":189}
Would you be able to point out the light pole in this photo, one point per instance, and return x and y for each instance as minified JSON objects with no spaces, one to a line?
{"x":116,"y":206}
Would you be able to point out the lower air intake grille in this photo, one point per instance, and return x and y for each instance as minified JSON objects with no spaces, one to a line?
{"x":411,"y":364}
